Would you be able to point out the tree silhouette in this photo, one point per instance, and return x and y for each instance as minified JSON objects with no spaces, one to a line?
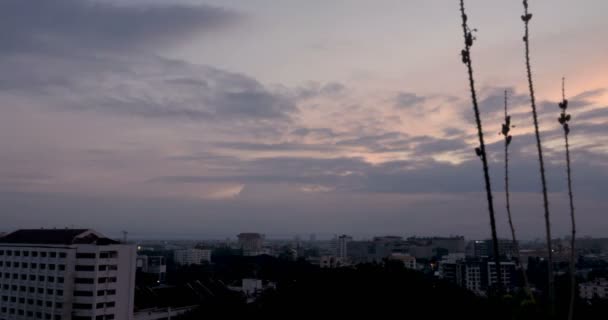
{"x":550,"y":284}
{"x":469,"y":38}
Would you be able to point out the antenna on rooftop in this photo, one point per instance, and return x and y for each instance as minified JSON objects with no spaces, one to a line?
{"x":124,"y":236}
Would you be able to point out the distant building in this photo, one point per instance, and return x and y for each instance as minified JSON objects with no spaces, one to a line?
{"x":485,"y":248}
{"x":428,"y":247}
{"x":65,"y":274}
{"x":154,"y":265}
{"x":185,"y":257}
{"x":408,"y":261}
{"x":252,"y":244}
{"x":596,"y":289}
{"x":342,"y":246}
{"x":477,"y":275}
{"x":331,"y":262}
{"x":252,"y":288}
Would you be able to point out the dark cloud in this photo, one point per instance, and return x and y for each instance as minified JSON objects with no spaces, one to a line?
{"x":493,"y":99}
{"x":64,"y":25}
{"x":315,"y":89}
{"x":412,"y":177}
{"x":600,"y":113}
{"x":246,"y":146}
{"x":406,"y":100}
{"x":385,"y":142}
{"x":321,"y":132}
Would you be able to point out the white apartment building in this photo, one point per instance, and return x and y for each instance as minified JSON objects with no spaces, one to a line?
{"x":186,"y":257}
{"x":594,"y":289}
{"x":64,"y":274}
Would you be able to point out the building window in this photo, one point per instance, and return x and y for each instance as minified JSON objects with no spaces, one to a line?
{"x":33,"y":265}
{"x":59,"y":292}
{"x":62,"y":255}
{"x":83,"y":306}
{"x":43,"y":254}
{"x":26,"y":253}
{"x":59,"y":279}
{"x":80,"y":293}
{"x":85,"y":268}
{"x":51,"y":267}
{"x":86,"y":256}
{"x":108,"y":254}
{"x":111,"y":292}
{"x":85,"y":280}
{"x":53,"y":254}
{"x":61,"y":267}
{"x":49,"y":291}
{"x":17,"y":253}
{"x":34,"y":253}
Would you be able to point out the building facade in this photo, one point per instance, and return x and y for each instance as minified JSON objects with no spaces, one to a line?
{"x":184,"y":257}
{"x":65,"y":274}
{"x":596,"y":289}
{"x":251,"y":243}
{"x":154,"y":265}
{"x":478,"y":275}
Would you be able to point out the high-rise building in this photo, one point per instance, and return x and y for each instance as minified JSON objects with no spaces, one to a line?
{"x":251,"y":243}
{"x":65,"y":274}
{"x":342,"y":246}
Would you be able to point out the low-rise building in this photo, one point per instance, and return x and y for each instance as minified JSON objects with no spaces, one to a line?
{"x":594,"y":289}
{"x":154,"y":265}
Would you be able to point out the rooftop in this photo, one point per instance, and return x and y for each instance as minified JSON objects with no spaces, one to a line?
{"x":56,"y":236}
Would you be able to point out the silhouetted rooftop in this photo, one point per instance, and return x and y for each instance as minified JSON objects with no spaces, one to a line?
{"x":56,"y":236}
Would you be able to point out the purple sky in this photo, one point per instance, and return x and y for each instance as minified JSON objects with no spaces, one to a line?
{"x":208,"y":118}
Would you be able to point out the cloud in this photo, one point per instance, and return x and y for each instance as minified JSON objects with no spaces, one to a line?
{"x":406,"y":100}
{"x":65,"y":25}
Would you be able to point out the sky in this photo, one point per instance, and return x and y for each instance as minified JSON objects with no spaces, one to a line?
{"x":203,"y":119}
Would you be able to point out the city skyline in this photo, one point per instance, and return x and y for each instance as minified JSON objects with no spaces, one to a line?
{"x":216,"y":117}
